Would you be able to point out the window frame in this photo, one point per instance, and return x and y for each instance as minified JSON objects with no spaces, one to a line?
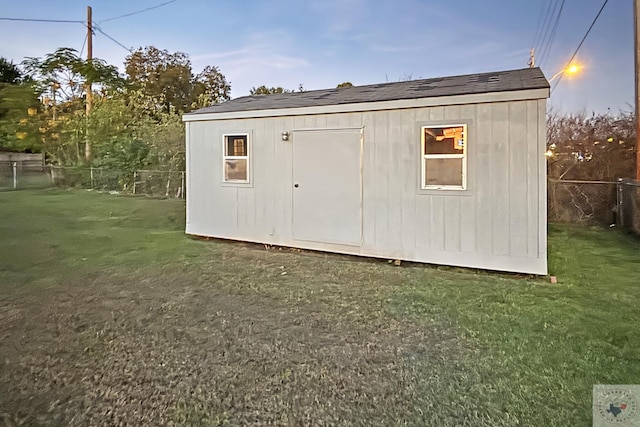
{"x":464,"y":156}
{"x":248,"y":182}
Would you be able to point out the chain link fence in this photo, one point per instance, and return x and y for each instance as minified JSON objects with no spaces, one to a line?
{"x":595,"y":203}
{"x":155,"y":183}
{"x":569,"y":201}
{"x":582,"y":202}
{"x":629,"y":205}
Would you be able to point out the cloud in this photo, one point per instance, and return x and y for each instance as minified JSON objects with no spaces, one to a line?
{"x":394,"y":49}
{"x":221,"y":55}
{"x":266,"y":58}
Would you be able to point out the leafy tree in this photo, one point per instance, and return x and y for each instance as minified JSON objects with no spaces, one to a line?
{"x":210,"y":87}
{"x":168,"y":79}
{"x":20,"y":117}
{"x":264,"y":90}
{"x":596,"y":147}
{"x":19,"y":103}
{"x":9,"y":72}
{"x":587,"y":148}
{"x":162,"y":75}
{"x":62,"y":76}
{"x":345,"y":84}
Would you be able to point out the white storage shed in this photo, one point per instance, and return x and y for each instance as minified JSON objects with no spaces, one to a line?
{"x":445,"y":170}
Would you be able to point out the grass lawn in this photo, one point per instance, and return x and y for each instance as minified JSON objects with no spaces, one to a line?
{"x":110,"y":315}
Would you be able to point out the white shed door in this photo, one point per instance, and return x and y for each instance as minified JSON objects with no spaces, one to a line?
{"x":327,"y":186}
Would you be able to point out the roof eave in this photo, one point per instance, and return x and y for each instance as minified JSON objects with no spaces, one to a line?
{"x":476,"y":98}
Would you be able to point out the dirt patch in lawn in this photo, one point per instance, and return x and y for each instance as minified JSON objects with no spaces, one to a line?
{"x":185,"y":348}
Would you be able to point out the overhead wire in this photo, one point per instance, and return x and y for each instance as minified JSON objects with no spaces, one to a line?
{"x":542,"y":18}
{"x":137,"y":12}
{"x":553,"y":33}
{"x":544,"y":42}
{"x":84,"y":44}
{"x":112,"y":39}
{"x":65,"y":21}
{"x":581,"y":43}
{"x":95,"y":25}
{"x":535,"y":34}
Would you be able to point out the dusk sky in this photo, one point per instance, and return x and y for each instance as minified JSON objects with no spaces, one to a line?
{"x":321,"y":43}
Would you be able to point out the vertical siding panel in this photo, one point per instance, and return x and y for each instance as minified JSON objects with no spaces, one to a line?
{"x":542,"y":183}
{"x":467,"y":204}
{"x":410,"y":142}
{"x":422,"y":205}
{"x":436,"y":113}
{"x":369,"y":175}
{"x":467,"y":225}
{"x":397,"y":153}
{"x":481,"y":185}
{"x":331,"y":121}
{"x":311,"y":122}
{"x":245,"y":197}
{"x":382,"y":167}
{"x":355,"y":120}
{"x":422,"y":223}
{"x":261,"y":163}
{"x":518,"y":193}
{"x":452,"y":112}
{"x":500,"y":178}
{"x":532,"y":179}
{"x":218,"y":215}
{"x":284,"y":154}
{"x":451,"y":236}
{"x":337,"y":121}
{"x":188,"y":130}
{"x":436,"y":203}
{"x":265,"y":183}
{"x":437,"y":223}
{"x":452,"y":224}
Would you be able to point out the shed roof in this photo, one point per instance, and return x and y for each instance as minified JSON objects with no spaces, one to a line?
{"x":499,"y":81}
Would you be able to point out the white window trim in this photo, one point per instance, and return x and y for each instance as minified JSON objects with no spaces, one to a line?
{"x":425,"y":157}
{"x":248,"y":157}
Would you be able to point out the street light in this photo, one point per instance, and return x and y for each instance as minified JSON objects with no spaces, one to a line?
{"x":570,"y":69}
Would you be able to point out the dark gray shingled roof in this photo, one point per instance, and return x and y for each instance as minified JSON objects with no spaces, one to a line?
{"x":500,"y":81}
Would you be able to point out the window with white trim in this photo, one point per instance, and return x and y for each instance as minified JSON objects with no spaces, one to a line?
{"x":236,"y":158}
{"x":444,"y":157}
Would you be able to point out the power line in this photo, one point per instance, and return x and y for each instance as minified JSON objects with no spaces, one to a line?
{"x":139,"y":11}
{"x":540,"y":25}
{"x":544,"y":42}
{"x":581,"y":42}
{"x":553,"y":33}
{"x":112,"y":39}
{"x":41,"y":20}
{"x":84,"y":43}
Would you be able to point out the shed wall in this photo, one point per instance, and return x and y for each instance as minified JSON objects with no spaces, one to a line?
{"x":498,"y":223}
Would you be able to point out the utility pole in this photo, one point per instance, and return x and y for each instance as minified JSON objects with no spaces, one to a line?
{"x":636,"y":31}
{"x":87,"y":146}
{"x":532,"y":58}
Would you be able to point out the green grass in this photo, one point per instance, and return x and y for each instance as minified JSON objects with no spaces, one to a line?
{"x":111,"y":285}
{"x":543,"y":346}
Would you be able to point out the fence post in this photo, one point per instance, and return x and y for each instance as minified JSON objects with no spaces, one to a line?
{"x":91,"y":177}
{"x":182,"y":195}
{"x":619,"y":198}
{"x":135,"y":177}
{"x":14,"y":166}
